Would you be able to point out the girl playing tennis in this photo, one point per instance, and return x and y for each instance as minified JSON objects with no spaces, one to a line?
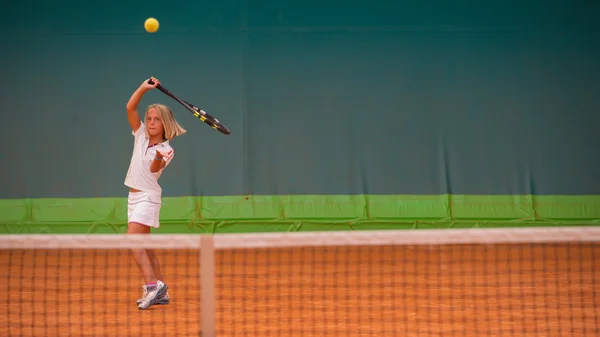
{"x":151,"y":154}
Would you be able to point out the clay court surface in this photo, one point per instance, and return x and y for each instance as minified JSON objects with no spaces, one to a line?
{"x":516,"y":290}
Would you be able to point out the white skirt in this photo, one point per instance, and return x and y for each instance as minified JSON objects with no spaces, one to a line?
{"x":144,"y":208}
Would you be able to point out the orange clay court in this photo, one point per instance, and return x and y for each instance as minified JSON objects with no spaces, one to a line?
{"x":446,"y":290}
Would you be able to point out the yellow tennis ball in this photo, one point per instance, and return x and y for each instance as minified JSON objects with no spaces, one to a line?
{"x":151,"y":25}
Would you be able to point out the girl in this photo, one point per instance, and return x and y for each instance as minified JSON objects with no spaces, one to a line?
{"x":151,"y":154}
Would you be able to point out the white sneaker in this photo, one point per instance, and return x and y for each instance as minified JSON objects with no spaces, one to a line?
{"x":152,"y":294}
{"x":162,"y":299}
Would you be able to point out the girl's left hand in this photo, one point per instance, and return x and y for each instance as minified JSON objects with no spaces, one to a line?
{"x":166,"y":156}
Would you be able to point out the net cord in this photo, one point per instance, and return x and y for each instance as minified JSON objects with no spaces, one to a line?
{"x":303,"y":239}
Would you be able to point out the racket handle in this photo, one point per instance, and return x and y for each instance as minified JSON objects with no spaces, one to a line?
{"x":159,"y":87}
{"x":151,"y":82}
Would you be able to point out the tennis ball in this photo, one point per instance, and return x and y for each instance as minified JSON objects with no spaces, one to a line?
{"x":151,"y":25}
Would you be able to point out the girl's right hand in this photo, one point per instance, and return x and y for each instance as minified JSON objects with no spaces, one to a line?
{"x":147,"y":86}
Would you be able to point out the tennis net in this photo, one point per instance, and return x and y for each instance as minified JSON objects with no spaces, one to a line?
{"x":454,"y":282}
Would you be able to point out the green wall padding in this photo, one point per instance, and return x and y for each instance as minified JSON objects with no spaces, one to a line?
{"x":234,"y":214}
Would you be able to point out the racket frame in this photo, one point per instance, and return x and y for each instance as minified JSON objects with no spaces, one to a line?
{"x":197,"y":112}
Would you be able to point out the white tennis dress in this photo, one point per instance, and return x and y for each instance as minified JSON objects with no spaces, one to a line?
{"x":144,"y":207}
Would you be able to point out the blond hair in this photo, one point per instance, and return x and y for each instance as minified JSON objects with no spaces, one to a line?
{"x":171,"y":128}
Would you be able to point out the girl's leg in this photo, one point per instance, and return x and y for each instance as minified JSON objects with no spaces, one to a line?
{"x":155,"y":264}
{"x":140,"y":255}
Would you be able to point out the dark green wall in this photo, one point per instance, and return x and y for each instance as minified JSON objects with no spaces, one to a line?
{"x":420,"y":97}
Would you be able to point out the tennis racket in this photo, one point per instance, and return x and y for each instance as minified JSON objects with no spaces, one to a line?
{"x":197,"y":112}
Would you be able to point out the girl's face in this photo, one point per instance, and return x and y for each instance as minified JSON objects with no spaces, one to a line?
{"x":154,"y":123}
